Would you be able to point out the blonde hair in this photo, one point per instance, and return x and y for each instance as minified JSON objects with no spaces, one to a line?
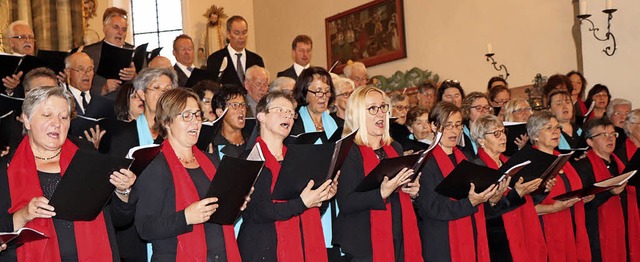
{"x":356,"y":116}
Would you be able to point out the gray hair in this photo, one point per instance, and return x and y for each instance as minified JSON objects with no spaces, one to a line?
{"x":277,"y":84}
{"x":39,"y":95}
{"x":251,"y":71}
{"x":536,"y":122}
{"x":35,"y":73}
{"x":483,"y":125}
{"x":356,"y":65}
{"x":149,"y":74}
{"x":11,"y":27}
{"x":397,"y":97}
{"x":632,"y":118}
{"x":617,"y":102}
{"x":513,"y":105}
{"x":341,"y":82}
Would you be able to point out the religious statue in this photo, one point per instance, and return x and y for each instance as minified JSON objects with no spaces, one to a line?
{"x":213,"y":38}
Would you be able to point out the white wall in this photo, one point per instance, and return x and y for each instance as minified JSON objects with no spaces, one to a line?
{"x":618,"y":72}
{"x":447,"y":37}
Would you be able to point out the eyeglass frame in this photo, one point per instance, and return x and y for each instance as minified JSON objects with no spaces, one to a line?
{"x":81,"y":71}
{"x":189,"y":116}
{"x":345,"y":94}
{"x":322,"y":94}
{"x":287,"y":114}
{"x":402,"y":108}
{"x":606,"y":135}
{"x":237,"y":105}
{"x":384,"y":108}
{"x":478,"y":107}
{"x":24,"y":37}
{"x":497,"y":133}
{"x":450,"y":126}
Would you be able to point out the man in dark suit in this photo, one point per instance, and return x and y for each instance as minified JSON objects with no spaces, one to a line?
{"x":79,"y":71}
{"x":237,"y":56}
{"x":22,"y":42}
{"x":183,"y":52}
{"x":301,"y":48}
{"x":115,"y":31}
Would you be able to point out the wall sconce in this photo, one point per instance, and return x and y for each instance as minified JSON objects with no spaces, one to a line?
{"x":584,"y":16}
{"x":493,"y":62}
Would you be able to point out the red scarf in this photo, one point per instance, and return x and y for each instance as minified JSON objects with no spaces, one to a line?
{"x":461,"y":241}
{"x":192,"y":245}
{"x":381,"y":228}
{"x":632,"y":204}
{"x":610,"y":215}
{"x":522,"y":225}
{"x":583,"y":107}
{"x":294,"y":244}
{"x":92,"y":241}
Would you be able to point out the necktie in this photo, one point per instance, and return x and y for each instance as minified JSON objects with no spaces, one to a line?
{"x":190,"y":69}
{"x":84,"y":101}
{"x":239,"y":67}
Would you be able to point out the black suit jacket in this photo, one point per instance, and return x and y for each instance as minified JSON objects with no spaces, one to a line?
{"x":95,"y":52}
{"x":99,"y":107}
{"x":182,"y":77}
{"x":289,"y":72}
{"x":230,"y":75}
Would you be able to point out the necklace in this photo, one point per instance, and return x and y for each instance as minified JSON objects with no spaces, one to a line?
{"x":48,"y":158}
{"x":238,"y":144}
{"x":187,"y":161}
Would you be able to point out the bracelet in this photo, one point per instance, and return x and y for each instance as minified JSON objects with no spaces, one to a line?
{"x":123,"y":193}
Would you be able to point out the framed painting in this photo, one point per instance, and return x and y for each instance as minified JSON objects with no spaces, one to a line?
{"x":372,"y":33}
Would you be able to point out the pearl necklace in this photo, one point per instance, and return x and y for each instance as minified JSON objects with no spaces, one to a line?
{"x":48,"y":158}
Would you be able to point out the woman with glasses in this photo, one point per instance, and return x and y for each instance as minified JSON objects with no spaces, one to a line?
{"x":563,"y":222}
{"x":600,"y":96}
{"x":276,"y":230}
{"x":561,"y":106}
{"x":380,"y":224}
{"x":513,"y":227}
{"x":400,"y":106}
{"x":205,"y":90}
{"x":314,"y":92}
{"x":474,"y":105}
{"x":451,"y":91}
{"x":499,"y":96}
{"x":612,"y":218}
{"x":232,"y":137}
{"x":344,"y":89}
{"x":451,"y":230}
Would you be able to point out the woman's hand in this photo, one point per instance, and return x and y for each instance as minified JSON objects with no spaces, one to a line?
{"x":200,"y":211}
{"x":521,"y":141}
{"x":502,"y":187}
{"x":618,"y":190}
{"x":38,"y":207}
{"x":524,"y":189}
{"x":550,"y":184}
{"x":333,"y":188}
{"x":588,"y":198}
{"x":123,"y":180}
{"x":413,"y":188}
{"x":562,"y":205}
{"x":247,"y":199}
{"x":314,"y":198}
{"x":94,"y":136}
{"x":3,"y":247}
{"x":484,"y":196}
{"x":389,"y":186}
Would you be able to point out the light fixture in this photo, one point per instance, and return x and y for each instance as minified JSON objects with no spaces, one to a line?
{"x":493,"y":62}
{"x":609,"y":10}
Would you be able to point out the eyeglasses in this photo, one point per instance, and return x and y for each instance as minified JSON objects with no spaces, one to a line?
{"x":159,"y":88}
{"x":601,"y":96}
{"x":319,"y":94}
{"x":81,"y":70}
{"x":618,"y":113}
{"x":450,"y":126}
{"x":345,"y":94}
{"x":206,"y":101}
{"x":501,"y":102}
{"x":402,"y":108}
{"x":360,"y":79}
{"x":552,"y":128}
{"x":24,"y":37}
{"x":482,"y":108}
{"x":497,"y":133}
{"x":237,"y":105}
{"x":189,"y":116}
{"x":373,"y":110}
{"x":605,"y":135}
{"x":522,"y":110}
{"x":288,"y":113}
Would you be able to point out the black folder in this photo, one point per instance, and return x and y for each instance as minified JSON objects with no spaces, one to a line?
{"x":424,"y":155}
{"x":20,"y":236}
{"x":53,"y":60}
{"x":598,"y":187}
{"x":577,"y":153}
{"x":540,"y":161}
{"x":514,"y":130}
{"x":634,"y":164}
{"x":112,"y":60}
{"x":231,"y":184}
{"x":140,"y":56}
{"x":388,"y":167}
{"x":208,"y":131}
{"x":198,"y":75}
{"x":8,"y":104}
{"x":9,"y":65}
{"x":84,"y":123}
{"x":85,"y":189}
{"x":458,"y":183}
{"x":151,"y":55}
{"x":305,"y":162}
{"x":142,"y":157}
{"x":309,"y":138}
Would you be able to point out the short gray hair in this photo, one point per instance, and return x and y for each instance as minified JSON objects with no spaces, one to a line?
{"x":281,"y":81}
{"x":149,"y":74}
{"x":11,"y":27}
{"x":253,"y":70}
{"x":617,"y":102}
{"x":512,"y":106}
{"x":39,"y":95}
{"x":536,"y":122}
{"x":632,"y":118}
{"x":483,"y":125}
{"x":349,"y":68}
{"x":341,"y":82}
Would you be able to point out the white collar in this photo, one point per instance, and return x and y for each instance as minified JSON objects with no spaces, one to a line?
{"x":298,"y":68}
{"x":233,"y":52}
